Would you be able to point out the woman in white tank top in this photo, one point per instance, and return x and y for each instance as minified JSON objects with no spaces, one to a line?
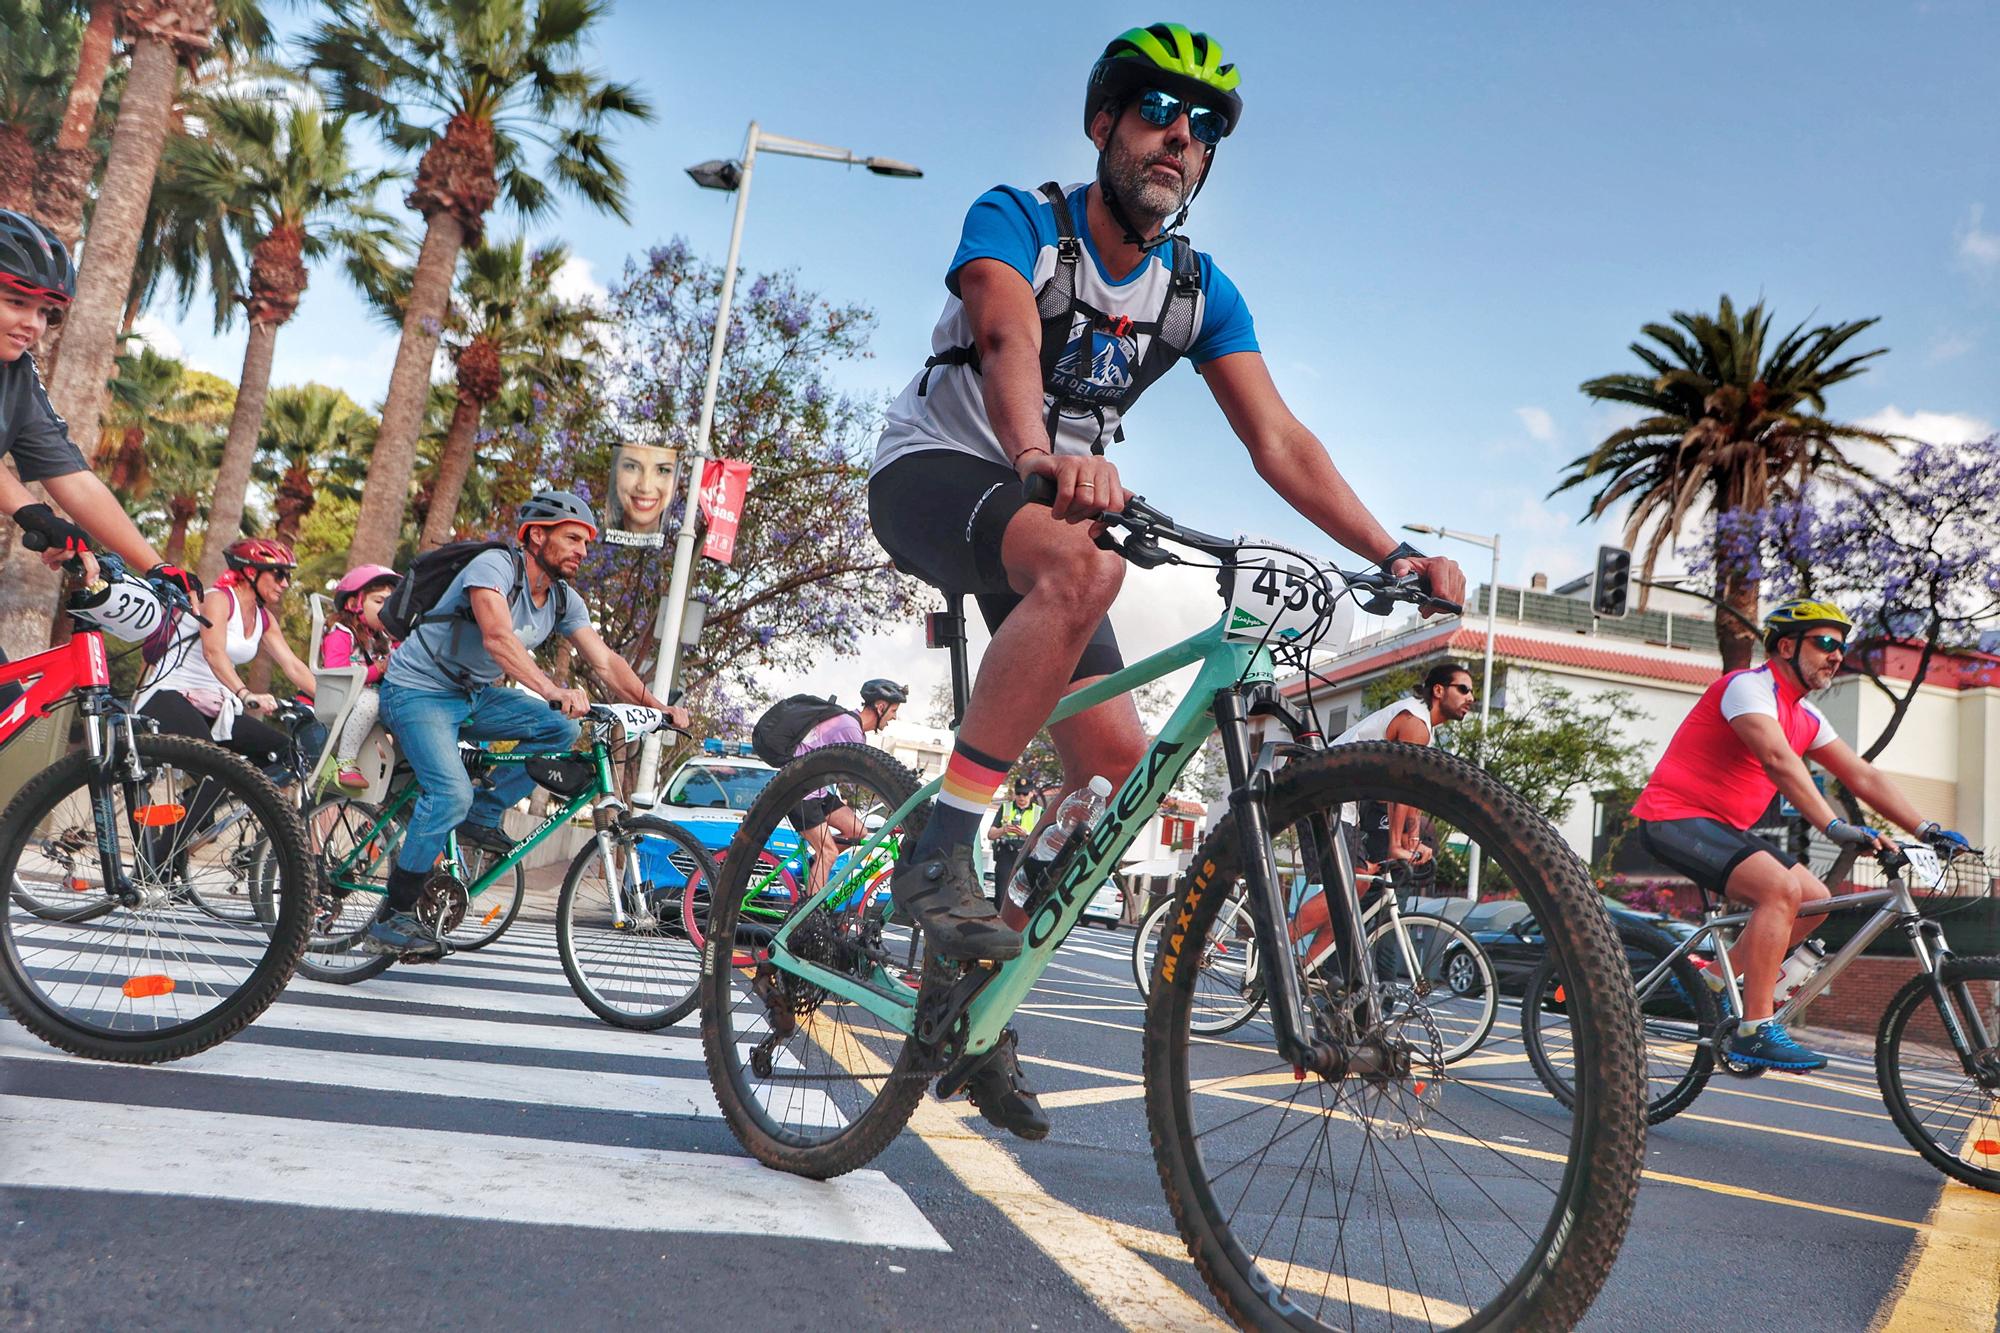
{"x":194,"y":690}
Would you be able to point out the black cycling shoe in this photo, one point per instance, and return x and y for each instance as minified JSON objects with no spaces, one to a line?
{"x":1003,"y":1096}
{"x":942,"y":893}
{"x":486,"y":837}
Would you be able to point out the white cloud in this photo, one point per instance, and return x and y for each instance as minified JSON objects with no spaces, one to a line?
{"x":1931,"y":427}
{"x":1978,"y":248}
{"x":1950,"y":346}
{"x":1538,"y":423}
{"x":576,"y":282}
{"x":157,"y":334}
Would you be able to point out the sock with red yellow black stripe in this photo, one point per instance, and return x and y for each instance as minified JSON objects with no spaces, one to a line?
{"x":970,"y":779}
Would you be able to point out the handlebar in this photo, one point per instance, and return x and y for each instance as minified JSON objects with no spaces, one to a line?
{"x":1146,"y":527}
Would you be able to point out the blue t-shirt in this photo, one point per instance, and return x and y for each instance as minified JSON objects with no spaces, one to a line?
{"x":1018,"y":228}
{"x":451,"y":655}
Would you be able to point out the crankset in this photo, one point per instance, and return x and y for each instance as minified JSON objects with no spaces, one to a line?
{"x":1725,"y":1032}
{"x":442,"y":904}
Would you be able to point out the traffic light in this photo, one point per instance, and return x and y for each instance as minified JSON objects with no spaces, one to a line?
{"x":1614,"y":577}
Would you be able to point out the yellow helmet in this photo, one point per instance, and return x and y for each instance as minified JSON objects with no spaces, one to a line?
{"x":1800,"y":614}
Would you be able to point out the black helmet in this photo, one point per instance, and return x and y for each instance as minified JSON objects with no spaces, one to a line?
{"x":553,"y":507}
{"x":879,"y":691}
{"x":33,"y":261}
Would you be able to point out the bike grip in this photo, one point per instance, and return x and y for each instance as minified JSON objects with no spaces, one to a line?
{"x":1039,"y":489}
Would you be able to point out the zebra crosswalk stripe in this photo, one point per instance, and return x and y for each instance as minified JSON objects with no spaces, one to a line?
{"x":465,"y":1034}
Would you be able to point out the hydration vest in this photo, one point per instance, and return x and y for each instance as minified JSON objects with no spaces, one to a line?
{"x":1068,"y":392}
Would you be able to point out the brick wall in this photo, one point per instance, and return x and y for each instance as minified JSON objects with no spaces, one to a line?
{"x":1859,"y":996}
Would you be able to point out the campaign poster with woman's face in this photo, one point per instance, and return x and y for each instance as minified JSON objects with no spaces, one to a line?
{"x":642,"y":486}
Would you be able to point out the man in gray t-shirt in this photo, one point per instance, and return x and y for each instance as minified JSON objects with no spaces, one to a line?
{"x":443,"y":685}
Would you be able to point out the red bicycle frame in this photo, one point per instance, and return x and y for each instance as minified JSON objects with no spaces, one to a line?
{"x":47,"y":677}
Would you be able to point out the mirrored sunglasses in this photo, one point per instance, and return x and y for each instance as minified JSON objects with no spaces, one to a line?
{"x":1162,"y":108}
{"x":1828,"y":643}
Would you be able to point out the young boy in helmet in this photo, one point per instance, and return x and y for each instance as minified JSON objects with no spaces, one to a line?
{"x":1065,"y":304}
{"x":444,"y":683}
{"x":1743,"y":743}
{"x":37,"y":283}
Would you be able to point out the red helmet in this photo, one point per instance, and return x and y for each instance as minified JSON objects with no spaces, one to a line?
{"x":258,"y":553}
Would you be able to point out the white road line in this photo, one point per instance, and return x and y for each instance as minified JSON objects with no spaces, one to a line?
{"x":599,"y":1039}
{"x":221,"y":1155}
{"x":434,"y":1077}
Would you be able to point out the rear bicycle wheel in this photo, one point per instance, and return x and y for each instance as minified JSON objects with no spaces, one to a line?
{"x":153,"y":977}
{"x":1228,"y":988}
{"x":772,"y":889}
{"x":1949,"y":1113}
{"x":1411,"y":1194}
{"x":348,"y":891}
{"x":1678,"y":1013}
{"x":811,"y":1082}
{"x":1446,"y":972}
{"x":487,"y":915}
{"x":637,"y":973}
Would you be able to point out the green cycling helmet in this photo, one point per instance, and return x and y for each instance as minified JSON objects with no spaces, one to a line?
{"x":1800,"y":614}
{"x":1167,"y":56}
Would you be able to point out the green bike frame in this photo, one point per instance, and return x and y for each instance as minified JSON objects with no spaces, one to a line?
{"x":1225,"y":665}
{"x":602,"y":785}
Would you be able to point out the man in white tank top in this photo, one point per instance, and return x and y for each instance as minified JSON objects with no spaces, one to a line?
{"x":1389,"y":831}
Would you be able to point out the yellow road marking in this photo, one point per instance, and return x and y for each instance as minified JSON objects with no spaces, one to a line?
{"x":1405,"y":1304}
{"x":1952,"y":1280}
{"x":1123,"y":1285}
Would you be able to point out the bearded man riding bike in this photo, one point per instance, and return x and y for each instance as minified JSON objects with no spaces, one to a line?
{"x":37,"y":284}
{"x":443,"y":683}
{"x":1065,"y":304}
{"x":1743,"y":743}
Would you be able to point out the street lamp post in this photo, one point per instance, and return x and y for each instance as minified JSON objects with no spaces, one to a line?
{"x":1486,"y":682}
{"x":721,"y":175}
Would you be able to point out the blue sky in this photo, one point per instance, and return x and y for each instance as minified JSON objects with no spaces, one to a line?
{"x":1443,"y":217}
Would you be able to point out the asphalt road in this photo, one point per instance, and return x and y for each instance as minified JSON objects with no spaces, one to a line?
{"x":464,"y":1145}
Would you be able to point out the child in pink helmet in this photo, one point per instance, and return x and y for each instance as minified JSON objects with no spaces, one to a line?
{"x":356,"y":637}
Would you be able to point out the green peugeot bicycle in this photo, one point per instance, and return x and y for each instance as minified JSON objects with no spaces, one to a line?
{"x":621,"y":895}
{"x":1324,"y":1166}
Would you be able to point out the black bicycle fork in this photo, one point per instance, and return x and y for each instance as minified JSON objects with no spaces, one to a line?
{"x":1325,"y":857}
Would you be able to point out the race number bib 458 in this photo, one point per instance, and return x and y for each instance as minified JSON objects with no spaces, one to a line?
{"x":1276,"y":597}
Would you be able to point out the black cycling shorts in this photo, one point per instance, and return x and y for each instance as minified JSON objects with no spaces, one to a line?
{"x":941,"y":516}
{"x":810,"y":813}
{"x":1706,"y":850}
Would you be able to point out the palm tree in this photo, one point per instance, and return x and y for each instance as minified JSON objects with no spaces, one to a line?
{"x":509,"y":325}
{"x":162,"y":439}
{"x":282,"y":182}
{"x":312,"y":445}
{"x":469,"y":84}
{"x":62,"y":181}
{"x":1730,"y":426}
{"x":163,"y":35}
{"x":38,"y":45}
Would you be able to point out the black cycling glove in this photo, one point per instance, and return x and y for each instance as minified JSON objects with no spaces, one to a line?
{"x":42,"y":529}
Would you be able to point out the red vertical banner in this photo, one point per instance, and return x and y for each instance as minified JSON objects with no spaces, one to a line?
{"x":724,"y":484}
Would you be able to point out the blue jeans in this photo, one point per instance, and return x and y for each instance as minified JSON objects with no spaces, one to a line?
{"x":428,"y":725}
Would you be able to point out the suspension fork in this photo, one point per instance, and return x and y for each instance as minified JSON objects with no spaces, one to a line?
{"x":604,"y":819}
{"x":1248,"y":789}
{"x":111,"y":747}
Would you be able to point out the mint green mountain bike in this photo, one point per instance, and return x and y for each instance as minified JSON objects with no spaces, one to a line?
{"x":1325,"y":1168}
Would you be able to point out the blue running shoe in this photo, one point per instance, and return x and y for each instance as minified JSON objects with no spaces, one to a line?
{"x":1773,"y":1048}
{"x":406,"y":937}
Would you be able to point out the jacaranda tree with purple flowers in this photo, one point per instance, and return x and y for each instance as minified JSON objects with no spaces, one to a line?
{"x":808,"y":580}
{"x":1911,"y":557}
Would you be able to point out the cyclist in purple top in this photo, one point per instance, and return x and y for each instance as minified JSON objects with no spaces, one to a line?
{"x":822,"y":818}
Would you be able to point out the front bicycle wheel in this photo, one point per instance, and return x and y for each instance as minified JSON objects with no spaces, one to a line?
{"x":1228,"y":987}
{"x":810,"y":1081}
{"x":1395,"y":1192}
{"x":1679,"y":1014}
{"x":152,"y":976}
{"x":613,"y":926}
{"x":352,"y":848}
{"x":1448,"y":975}
{"x":1948,"y":1107}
